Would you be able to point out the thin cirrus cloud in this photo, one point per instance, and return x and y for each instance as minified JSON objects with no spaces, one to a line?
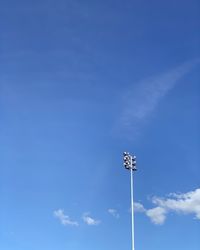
{"x":142,"y":100}
{"x":89,"y":220}
{"x":186,"y":203}
{"x":64,"y":219}
{"x":113,"y":212}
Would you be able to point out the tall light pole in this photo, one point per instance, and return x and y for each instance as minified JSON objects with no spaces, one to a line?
{"x":130,"y":164}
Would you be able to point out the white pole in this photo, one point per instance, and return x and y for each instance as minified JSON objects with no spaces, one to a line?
{"x":132,"y":209}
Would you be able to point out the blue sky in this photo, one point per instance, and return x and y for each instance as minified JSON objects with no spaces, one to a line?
{"x":81,"y":82}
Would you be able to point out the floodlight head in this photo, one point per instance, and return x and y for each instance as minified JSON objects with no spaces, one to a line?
{"x":129,"y":161}
{"x":134,"y":163}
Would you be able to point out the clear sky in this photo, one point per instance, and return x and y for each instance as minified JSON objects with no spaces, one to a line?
{"x":81,"y":82}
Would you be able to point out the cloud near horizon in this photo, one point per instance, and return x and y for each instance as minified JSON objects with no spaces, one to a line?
{"x":113,"y":212}
{"x":89,"y":220}
{"x":187,"y":203}
{"x":64,"y":219}
{"x":138,"y":207}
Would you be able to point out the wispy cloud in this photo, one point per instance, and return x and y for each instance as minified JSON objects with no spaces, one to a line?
{"x":187,"y":203}
{"x":143,"y":99}
{"x":138,"y":207}
{"x":113,"y":212}
{"x":64,"y":219}
{"x":89,"y":220}
{"x":157,"y":215}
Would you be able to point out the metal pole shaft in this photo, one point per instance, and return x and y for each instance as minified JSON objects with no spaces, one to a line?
{"x":132,"y":210}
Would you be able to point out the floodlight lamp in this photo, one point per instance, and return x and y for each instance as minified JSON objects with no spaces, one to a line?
{"x":134,"y":162}
{"x":126,"y":157}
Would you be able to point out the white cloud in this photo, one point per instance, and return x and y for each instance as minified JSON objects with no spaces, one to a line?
{"x":187,"y":203}
{"x":143,"y":99}
{"x":138,"y":207}
{"x":113,"y":212}
{"x":157,"y":215}
{"x":89,"y":220}
{"x":64,"y":219}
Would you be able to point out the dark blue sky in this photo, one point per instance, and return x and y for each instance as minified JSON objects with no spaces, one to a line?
{"x":80,"y":83}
